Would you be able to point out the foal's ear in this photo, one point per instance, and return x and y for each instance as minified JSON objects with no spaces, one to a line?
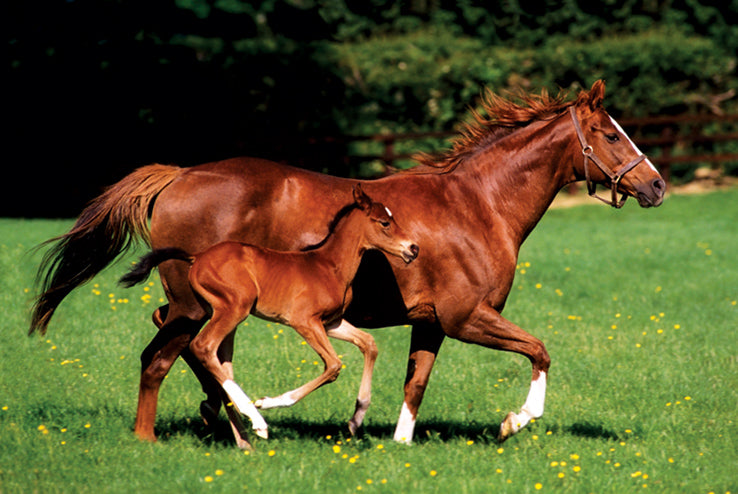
{"x":596,"y":94}
{"x":362,"y":200}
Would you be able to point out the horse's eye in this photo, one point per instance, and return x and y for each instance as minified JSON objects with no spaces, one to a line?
{"x":384,"y":223}
{"x":611,"y":138}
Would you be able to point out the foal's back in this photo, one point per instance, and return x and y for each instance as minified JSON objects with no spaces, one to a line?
{"x":277,"y":286}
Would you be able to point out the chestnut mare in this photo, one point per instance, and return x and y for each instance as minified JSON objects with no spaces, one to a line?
{"x":306,"y":290}
{"x":469,"y":209}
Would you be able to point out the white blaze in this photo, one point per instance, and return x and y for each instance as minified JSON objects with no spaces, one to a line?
{"x":635,"y":148}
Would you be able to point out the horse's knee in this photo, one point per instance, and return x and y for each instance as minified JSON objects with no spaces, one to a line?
{"x":332,"y":371}
{"x":372,"y":351}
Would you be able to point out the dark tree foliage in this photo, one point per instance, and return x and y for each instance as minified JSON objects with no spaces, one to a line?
{"x":98,"y":87}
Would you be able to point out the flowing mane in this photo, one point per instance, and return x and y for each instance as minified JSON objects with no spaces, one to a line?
{"x":504,"y":116}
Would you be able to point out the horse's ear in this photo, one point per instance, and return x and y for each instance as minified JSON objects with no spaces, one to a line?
{"x":596,"y":94}
{"x":361,"y":199}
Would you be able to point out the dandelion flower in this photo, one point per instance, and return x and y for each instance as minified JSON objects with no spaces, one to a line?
{"x":433,"y":473}
{"x":538,"y":486}
{"x":272,"y":452}
{"x":208,"y":478}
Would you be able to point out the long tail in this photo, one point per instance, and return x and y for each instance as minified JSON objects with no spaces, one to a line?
{"x":106,"y":228}
{"x":141,"y":271}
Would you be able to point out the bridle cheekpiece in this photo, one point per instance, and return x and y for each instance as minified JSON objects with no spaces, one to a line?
{"x":614,"y":177}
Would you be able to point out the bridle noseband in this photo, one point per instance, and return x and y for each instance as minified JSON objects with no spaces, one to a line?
{"x":614,"y":177}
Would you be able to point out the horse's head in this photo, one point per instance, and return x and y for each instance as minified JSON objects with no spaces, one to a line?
{"x":610,"y":157}
{"x":381,"y":230}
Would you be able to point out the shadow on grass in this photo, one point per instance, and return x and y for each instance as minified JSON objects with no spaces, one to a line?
{"x":432,"y":431}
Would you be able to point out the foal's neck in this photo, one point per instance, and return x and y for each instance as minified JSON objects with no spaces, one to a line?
{"x":345,"y":246}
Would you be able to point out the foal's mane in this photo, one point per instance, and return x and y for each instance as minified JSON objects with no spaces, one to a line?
{"x":503,"y":117}
{"x":342,"y":213}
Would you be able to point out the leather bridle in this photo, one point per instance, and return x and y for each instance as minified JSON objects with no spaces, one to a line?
{"x":614,"y":177}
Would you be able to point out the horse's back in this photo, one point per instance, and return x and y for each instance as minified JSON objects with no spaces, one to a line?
{"x":247,"y":200}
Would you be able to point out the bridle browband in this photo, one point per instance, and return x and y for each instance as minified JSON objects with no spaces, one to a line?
{"x":614,"y":177}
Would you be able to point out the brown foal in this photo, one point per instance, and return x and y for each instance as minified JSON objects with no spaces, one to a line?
{"x":307,"y":290}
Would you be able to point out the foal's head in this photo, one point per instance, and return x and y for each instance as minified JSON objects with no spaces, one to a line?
{"x":381,"y":231}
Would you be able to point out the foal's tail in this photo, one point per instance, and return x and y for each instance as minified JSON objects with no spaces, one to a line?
{"x":106,"y":228}
{"x":141,"y":271}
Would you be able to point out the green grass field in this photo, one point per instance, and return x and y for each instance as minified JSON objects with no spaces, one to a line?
{"x":638,"y":310}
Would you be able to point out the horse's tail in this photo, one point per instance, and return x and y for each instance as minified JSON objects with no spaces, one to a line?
{"x":106,"y":228}
{"x":142,"y":269}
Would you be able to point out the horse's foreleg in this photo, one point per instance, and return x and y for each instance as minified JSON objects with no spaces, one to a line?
{"x":365,"y":342}
{"x":488,"y":328}
{"x":315,"y":336}
{"x":425,"y":343}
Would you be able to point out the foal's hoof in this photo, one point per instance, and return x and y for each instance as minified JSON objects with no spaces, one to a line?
{"x":262,"y":433}
{"x":508,"y":427}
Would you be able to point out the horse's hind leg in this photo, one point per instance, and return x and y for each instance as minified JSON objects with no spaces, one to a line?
{"x":156,"y":360}
{"x":365,"y":342}
{"x":208,"y":408}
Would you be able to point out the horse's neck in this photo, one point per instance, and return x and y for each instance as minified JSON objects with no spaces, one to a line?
{"x":522,"y":173}
{"x":342,"y":250}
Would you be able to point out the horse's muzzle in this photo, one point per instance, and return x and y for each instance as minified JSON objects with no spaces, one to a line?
{"x":410,"y":254}
{"x":652,"y":193}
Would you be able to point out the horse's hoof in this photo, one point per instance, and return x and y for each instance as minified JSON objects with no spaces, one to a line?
{"x":262,"y":433}
{"x":508,"y":427}
{"x":244,"y":445}
{"x":258,"y":403}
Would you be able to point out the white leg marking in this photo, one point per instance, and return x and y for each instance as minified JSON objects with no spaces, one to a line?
{"x":635,"y":148}
{"x":244,"y":405}
{"x":405,"y":426}
{"x":536,"y":397}
{"x":284,"y":400}
{"x":533,"y":408}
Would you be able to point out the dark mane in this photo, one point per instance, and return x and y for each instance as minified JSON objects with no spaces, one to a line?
{"x":503,"y":117}
{"x":342,"y":213}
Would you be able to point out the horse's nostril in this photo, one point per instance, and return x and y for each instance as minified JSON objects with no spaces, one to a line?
{"x":659,"y":185}
{"x":414,"y":249}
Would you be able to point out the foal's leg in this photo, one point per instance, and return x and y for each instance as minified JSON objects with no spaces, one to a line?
{"x":315,"y":335}
{"x":487,"y":327}
{"x":346,"y":332}
{"x":424,"y":346}
{"x":210,"y":407}
{"x":215,"y":394}
{"x":205,"y":347}
{"x":225,"y":355}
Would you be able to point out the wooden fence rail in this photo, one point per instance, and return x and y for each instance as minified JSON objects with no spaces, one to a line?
{"x":658,"y":137}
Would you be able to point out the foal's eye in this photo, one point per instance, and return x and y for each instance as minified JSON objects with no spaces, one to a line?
{"x":611,"y":138}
